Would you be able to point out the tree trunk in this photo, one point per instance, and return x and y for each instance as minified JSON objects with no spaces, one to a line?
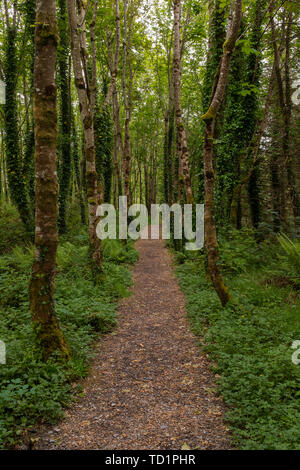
{"x":114,"y":61}
{"x":218,"y":92}
{"x":127,"y":106}
{"x":88,"y":129}
{"x":285,"y":178}
{"x":182,"y":149}
{"x":41,"y":289}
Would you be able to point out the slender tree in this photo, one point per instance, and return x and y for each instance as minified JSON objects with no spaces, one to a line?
{"x":126,"y":86}
{"x":78,"y":44}
{"x":182,"y":149}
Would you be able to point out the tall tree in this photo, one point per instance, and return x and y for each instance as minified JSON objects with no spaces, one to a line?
{"x":182,"y":150}
{"x":41,"y":290}
{"x":286,"y":177}
{"x":127,"y":87}
{"x":218,"y":92}
{"x":79,"y":51}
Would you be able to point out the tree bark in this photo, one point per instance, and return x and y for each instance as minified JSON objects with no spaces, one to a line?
{"x":86,"y":114}
{"x":182,"y":149}
{"x":41,"y":289}
{"x":126,"y":85}
{"x":286,"y":180}
{"x":114,"y":66}
{"x":93,"y":88}
{"x":218,"y":92}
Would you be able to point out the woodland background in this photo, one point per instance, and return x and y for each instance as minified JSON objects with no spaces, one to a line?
{"x":130,"y":109}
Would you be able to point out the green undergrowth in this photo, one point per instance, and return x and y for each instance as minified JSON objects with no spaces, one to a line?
{"x":251,"y":339}
{"x":32,"y":391}
{"x":11,"y":229}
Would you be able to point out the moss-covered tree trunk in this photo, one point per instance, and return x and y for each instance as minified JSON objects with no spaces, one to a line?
{"x":218,"y":92}
{"x":41,"y":291}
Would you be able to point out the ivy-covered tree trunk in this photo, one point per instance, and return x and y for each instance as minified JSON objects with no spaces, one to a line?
{"x":41,"y":291}
{"x":104,"y":144}
{"x":65,"y":114}
{"x":218,"y":92}
{"x":254,"y":147}
{"x":16,"y":182}
{"x":240,"y":119}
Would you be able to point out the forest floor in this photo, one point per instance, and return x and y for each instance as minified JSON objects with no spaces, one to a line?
{"x":149,"y":385}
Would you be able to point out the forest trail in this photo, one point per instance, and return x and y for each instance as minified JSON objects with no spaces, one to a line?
{"x":149,"y":386}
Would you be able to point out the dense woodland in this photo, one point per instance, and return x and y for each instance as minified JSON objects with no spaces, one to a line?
{"x":183,"y":101}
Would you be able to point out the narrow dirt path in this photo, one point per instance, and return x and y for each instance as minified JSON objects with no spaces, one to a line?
{"x":149,"y":386}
